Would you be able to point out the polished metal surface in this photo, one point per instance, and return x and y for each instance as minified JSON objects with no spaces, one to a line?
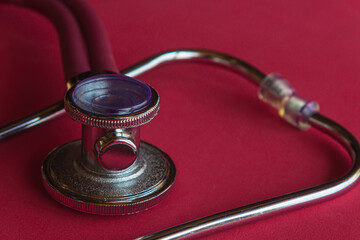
{"x":35,"y":119}
{"x":256,"y":210}
{"x":145,"y":183}
{"x":117,"y":149}
{"x":172,"y":56}
{"x":203,"y":55}
{"x":278,"y":204}
{"x":108,"y":171}
{"x":99,"y":143}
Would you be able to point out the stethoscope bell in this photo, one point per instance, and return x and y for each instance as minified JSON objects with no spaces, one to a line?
{"x":109,"y":171}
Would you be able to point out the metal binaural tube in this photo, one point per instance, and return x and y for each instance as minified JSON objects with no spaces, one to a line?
{"x":245,"y":213}
{"x":224,"y":60}
{"x":172,"y":56}
{"x":75,"y":61}
{"x":290,"y":201}
{"x":44,"y":115}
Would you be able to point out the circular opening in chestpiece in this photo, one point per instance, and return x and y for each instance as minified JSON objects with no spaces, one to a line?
{"x":111,"y":94}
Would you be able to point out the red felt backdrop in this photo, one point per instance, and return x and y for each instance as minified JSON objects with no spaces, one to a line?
{"x":230,"y":149}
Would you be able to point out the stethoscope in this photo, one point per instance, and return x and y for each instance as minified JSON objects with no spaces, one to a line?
{"x":110,"y":171}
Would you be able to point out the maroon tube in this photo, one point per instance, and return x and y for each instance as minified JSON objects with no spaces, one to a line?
{"x":99,"y":50}
{"x":73,"y":49}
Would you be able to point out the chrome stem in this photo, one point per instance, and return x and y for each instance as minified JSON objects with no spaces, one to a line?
{"x":242,"y":214}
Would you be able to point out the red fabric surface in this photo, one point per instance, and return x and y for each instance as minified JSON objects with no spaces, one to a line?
{"x":230,"y":149}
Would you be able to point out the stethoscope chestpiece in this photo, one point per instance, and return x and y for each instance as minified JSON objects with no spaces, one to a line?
{"x":109,"y":171}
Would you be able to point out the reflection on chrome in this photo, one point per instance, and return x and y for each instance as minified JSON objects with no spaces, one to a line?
{"x":244,"y":213}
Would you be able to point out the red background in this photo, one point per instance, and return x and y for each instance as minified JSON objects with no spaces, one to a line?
{"x":230,"y":149}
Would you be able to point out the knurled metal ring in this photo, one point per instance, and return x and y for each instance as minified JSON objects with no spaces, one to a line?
{"x":111,"y":122}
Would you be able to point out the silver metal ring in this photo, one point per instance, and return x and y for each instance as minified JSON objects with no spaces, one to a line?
{"x":124,"y":121}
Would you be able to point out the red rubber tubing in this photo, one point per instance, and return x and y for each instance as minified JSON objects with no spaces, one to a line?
{"x":99,"y":50}
{"x":73,"y":49}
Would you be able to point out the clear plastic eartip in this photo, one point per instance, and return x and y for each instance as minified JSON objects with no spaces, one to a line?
{"x":279,"y":93}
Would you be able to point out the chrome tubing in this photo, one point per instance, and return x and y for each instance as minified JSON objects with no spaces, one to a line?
{"x":232,"y":63}
{"x":56,"y":110}
{"x":35,"y":119}
{"x":290,"y":201}
{"x":242,"y":214}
